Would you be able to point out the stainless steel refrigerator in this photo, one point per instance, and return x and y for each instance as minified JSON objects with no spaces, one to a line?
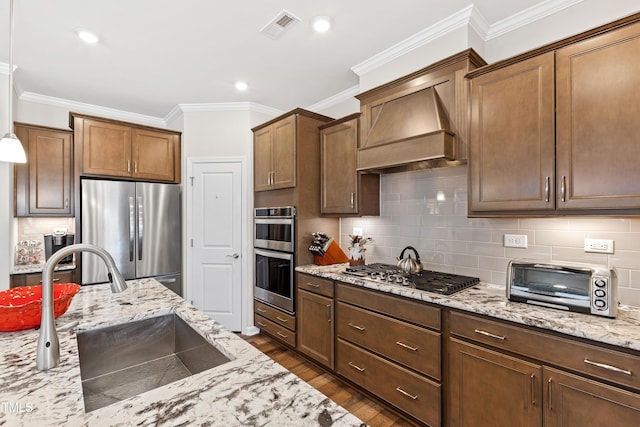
{"x":139,"y":224}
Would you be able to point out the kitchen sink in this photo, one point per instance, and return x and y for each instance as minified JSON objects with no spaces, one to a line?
{"x":124,"y":360}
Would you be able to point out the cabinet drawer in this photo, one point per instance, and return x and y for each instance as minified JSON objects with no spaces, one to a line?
{"x":398,"y":307}
{"x":314,"y":284}
{"x":410,"y":345}
{"x":402,"y":388}
{"x":33,"y":279}
{"x":276,"y":316}
{"x":610,"y":365}
{"x":275,"y":330}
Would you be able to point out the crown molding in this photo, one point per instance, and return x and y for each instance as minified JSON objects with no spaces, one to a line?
{"x":528,"y":16}
{"x":4,"y":68}
{"x":437,"y":30}
{"x":335,"y":99}
{"x":95,"y":110}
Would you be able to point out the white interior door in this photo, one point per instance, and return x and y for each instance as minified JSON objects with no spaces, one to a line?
{"x":215,"y":276}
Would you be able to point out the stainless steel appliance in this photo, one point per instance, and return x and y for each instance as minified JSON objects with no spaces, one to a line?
{"x":426,"y":280}
{"x":139,"y":224}
{"x":585,"y":288}
{"x":56,"y":241}
{"x":274,"y":234}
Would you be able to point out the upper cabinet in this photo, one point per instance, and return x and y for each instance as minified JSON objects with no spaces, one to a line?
{"x":111,"y":148}
{"x":275,"y":155}
{"x":344,"y":191}
{"x":44,"y":185}
{"x":555,"y":130}
{"x":277,"y":144}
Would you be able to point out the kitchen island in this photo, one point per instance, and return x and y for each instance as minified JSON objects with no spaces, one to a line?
{"x":250,"y":389}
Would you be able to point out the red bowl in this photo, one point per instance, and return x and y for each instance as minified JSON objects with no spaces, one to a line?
{"x":21,"y":307}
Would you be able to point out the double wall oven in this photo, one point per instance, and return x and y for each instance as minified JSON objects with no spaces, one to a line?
{"x":274,"y":242}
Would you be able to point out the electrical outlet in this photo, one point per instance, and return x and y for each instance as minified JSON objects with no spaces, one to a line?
{"x":515,"y":240}
{"x":59,"y":230}
{"x":357,"y":231}
{"x":602,"y":246}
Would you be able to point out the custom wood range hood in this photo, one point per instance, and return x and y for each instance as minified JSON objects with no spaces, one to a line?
{"x":418,"y":121}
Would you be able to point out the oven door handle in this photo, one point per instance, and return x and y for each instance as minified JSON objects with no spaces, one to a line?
{"x":273,"y":254}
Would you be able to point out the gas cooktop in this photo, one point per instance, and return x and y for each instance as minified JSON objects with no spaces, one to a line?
{"x":431,"y":281}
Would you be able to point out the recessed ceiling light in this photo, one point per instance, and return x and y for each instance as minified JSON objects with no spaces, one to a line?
{"x":322,"y":24}
{"x":87,"y":36}
{"x":242,"y":86}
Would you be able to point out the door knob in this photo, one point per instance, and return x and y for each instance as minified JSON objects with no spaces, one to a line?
{"x":234,"y":256}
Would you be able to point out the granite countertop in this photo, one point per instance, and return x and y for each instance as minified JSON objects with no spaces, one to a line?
{"x":491,"y":300}
{"x":38,"y":268}
{"x":250,"y":390}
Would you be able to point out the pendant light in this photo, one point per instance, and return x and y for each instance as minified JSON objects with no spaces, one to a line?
{"x":11,"y":149}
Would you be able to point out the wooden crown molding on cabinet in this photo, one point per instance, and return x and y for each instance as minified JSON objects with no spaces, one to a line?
{"x":298,"y":111}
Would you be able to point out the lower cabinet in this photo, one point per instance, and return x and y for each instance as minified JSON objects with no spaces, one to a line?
{"x":511,"y":376}
{"x":31,"y":279}
{"x":381,"y":351}
{"x":314,"y":306}
{"x":277,"y":323}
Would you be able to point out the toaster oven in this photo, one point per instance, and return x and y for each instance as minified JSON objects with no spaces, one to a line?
{"x":584,"y":288}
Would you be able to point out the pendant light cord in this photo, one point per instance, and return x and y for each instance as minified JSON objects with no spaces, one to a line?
{"x":11,"y":66}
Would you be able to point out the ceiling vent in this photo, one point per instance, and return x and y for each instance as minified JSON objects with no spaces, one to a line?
{"x":283,"y":21}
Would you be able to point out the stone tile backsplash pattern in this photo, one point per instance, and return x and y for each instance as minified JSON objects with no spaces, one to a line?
{"x":428,"y":210}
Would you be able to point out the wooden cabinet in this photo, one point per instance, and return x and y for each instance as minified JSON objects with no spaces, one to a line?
{"x":571,"y":400}
{"x":31,"y":279}
{"x":344,"y":190}
{"x":277,"y":323}
{"x":597,"y":126}
{"x":391,"y":347}
{"x":117,"y":149}
{"x":315,"y":319}
{"x":488,"y":389}
{"x":274,"y":150}
{"x":527,"y":373}
{"x":521,"y":163}
{"x":43,"y":185}
{"x":512,"y":149}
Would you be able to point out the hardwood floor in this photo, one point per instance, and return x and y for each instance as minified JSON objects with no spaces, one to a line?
{"x":335,"y":389}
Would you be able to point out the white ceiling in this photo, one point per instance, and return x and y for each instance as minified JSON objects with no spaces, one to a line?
{"x":156,"y":54}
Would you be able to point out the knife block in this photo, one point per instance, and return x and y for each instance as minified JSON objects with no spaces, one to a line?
{"x":333,"y":255}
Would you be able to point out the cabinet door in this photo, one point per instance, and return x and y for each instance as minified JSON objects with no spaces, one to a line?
{"x":315,"y":327}
{"x":491,"y":389}
{"x":106,"y":149}
{"x":598,"y":81}
{"x":153,"y":155}
{"x":284,"y":153}
{"x":338,"y":148}
{"x":573,"y":401}
{"x":262,"y":159}
{"x":511,"y":151}
{"x":43,"y":184}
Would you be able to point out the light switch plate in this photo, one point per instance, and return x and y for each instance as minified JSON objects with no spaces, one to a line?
{"x":515,"y":240}
{"x":602,"y":246}
{"x":357,"y":231}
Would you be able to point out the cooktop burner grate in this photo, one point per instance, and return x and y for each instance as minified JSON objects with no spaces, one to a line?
{"x":431,"y":281}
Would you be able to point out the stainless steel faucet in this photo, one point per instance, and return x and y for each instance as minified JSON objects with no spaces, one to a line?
{"x":48,"y":355}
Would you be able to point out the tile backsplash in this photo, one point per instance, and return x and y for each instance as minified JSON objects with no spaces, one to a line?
{"x":31,"y":228}
{"x":428,"y":210}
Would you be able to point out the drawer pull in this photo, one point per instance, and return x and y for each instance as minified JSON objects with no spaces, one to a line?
{"x":261,"y":310}
{"x":408,"y":347}
{"x":489,"y":334}
{"x":281,"y":319}
{"x":54,"y":280}
{"x":401,"y":391}
{"x":359,"y":328}
{"x":261,"y":324}
{"x":356,"y":367}
{"x":609,"y":367}
{"x":313,"y":285}
{"x":283,"y":335}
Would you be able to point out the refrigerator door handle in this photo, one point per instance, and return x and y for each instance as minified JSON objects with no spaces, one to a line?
{"x":132,"y":228}
{"x":140,"y":227}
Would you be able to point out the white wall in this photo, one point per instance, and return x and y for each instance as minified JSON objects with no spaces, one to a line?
{"x":6,"y":190}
